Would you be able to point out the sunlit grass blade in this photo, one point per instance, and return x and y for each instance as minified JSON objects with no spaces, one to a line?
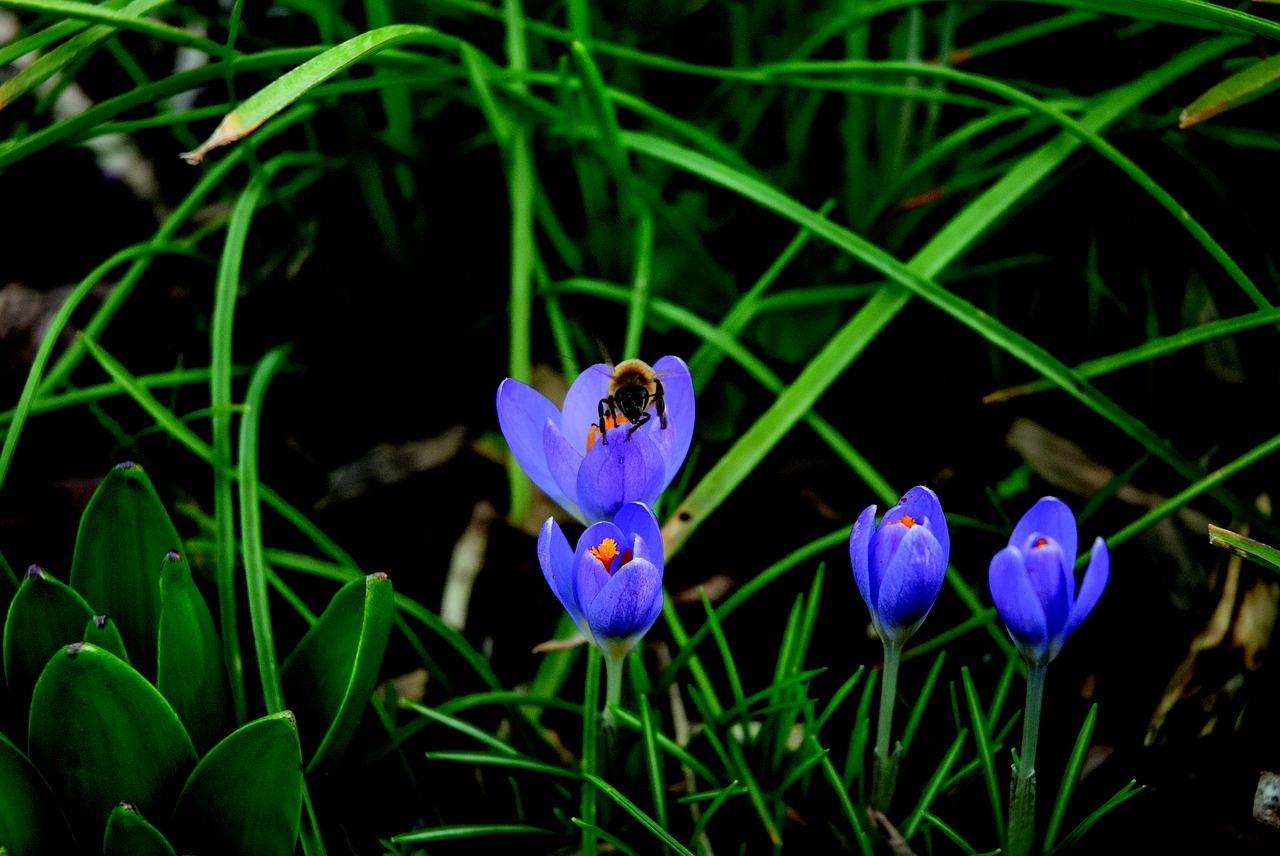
{"x":837,"y":697}
{"x":632,"y":809}
{"x":287,"y":89}
{"x":1070,"y":776}
{"x":462,"y":727}
{"x":726,"y":655}
{"x":598,"y":832}
{"x":986,"y":761}
{"x":938,"y":824}
{"x":518,"y":762}
{"x":1255,"y":551}
{"x":934,"y":786}
{"x":473,"y":830}
{"x":729,"y":790}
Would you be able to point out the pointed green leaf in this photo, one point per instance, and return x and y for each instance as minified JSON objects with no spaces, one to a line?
{"x":124,"y":535}
{"x":102,"y":735}
{"x":1256,"y":551}
{"x":190,"y":672}
{"x":31,"y":821}
{"x":328,"y":678}
{"x":44,"y":615}
{"x":129,"y":834}
{"x":245,"y":796}
{"x":1240,"y":88}
{"x":102,"y":631}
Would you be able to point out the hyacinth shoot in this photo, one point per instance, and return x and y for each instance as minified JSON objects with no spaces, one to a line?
{"x":611,"y":585}
{"x":1033,"y":581}
{"x":900,"y":564}
{"x":560,"y":449}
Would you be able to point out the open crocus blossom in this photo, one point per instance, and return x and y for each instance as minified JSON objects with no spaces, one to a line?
{"x":1033,"y":581}
{"x":611,"y":585}
{"x":899,"y":566}
{"x":560,"y":452}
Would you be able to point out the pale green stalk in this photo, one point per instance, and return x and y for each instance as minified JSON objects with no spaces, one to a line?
{"x":613,"y":687}
{"x":590,"y":753}
{"x":1022,"y":799}
{"x":885,"y":776}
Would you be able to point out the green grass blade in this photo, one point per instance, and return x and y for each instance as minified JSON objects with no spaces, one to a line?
{"x":632,"y":809}
{"x":985,"y":757}
{"x":1070,"y":776}
{"x":1255,"y":551}
{"x":934,"y":786}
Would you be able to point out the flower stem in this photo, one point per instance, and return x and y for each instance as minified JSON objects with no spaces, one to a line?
{"x":885,"y":775}
{"x":613,"y":687}
{"x":590,"y":754}
{"x":1022,"y":802}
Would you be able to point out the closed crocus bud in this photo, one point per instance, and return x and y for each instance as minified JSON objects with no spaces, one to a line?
{"x":900,"y":564}
{"x":646,"y":414}
{"x":611,"y":585}
{"x":1033,"y":580}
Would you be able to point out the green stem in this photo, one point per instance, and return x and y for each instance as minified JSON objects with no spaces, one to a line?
{"x":613,"y":687}
{"x":886,"y":769}
{"x":590,"y":756}
{"x":1022,"y":802}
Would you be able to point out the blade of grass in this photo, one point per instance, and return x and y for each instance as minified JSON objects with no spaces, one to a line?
{"x":632,"y":809}
{"x":985,"y":759}
{"x":934,"y":786}
{"x":1070,"y":776}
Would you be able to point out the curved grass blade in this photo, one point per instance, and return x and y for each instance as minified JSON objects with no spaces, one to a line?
{"x":1255,"y":551}
{"x":985,"y":758}
{"x":472,"y":830}
{"x":934,"y":786}
{"x":1132,"y":789}
{"x":287,"y":89}
{"x":1070,"y":776}
{"x":632,"y":809}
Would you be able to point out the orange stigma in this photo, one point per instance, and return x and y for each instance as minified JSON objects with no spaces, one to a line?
{"x":607,"y":550}
{"x":593,"y":433}
{"x":1040,"y":542}
{"x":906,"y":520}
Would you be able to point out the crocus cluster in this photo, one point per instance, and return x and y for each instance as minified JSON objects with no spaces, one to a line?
{"x":561,"y":452}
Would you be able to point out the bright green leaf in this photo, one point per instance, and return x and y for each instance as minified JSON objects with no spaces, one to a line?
{"x":129,"y":834}
{"x":190,"y":672}
{"x":1240,"y":88}
{"x":245,"y":796}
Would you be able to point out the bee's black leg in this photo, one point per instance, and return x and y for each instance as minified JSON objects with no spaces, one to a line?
{"x":644,"y":417}
{"x":659,"y":401}
{"x":604,"y":403}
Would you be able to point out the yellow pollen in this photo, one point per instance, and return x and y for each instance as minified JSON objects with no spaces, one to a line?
{"x":607,"y":550}
{"x":593,"y":433}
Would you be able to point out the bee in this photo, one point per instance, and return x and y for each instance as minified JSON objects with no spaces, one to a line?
{"x":633,"y":386}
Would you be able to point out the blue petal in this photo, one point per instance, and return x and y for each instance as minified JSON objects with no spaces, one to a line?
{"x":635,"y":518}
{"x":1095,"y":580}
{"x":860,"y":554}
{"x":556,"y":559}
{"x":1050,"y":573}
{"x":626,"y":607}
{"x":922,"y":504}
{"x":911,"y":583}
{"x":582,"y":404}
{"x":1051,"y":518}
{"x":563,"y":463}
{"x":884,"y":546}
{"x":1018,"y":604}
{"x":589,"y":573}
{"x":677,"y":394}
{"x":624,"y":470}
{"x":522,"y":414}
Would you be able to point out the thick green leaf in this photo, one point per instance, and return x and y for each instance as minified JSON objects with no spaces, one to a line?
{"x":102,"y":734}
{"x":129,"y":834}
{"x":31,"y":822}
{"x":124,"y":536}
{"x":190,"y":672}
{"x":102,"y":631}
{"x":245,"y":796}
{"x":1240,"y":88}
{"x":44,"y":615}
{"x":328,"y":678}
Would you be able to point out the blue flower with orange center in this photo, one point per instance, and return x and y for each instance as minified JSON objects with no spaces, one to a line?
{"x":900,"y":564}
{"x":611,"y":585}
{"x":647,"y":416}
{"x":1033,"y":580}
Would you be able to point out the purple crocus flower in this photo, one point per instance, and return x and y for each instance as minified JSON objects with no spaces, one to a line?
{"x":592,"y":480}
{"x":899,"y":566}
{"x":611,"y":585}
{"x":1033,"y":581}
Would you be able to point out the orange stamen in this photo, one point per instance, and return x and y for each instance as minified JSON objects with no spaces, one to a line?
{"x":593,"y":433}
{"x":1040,"y":542}
{"x":906,"y":520}
{"x":607,"y":550}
